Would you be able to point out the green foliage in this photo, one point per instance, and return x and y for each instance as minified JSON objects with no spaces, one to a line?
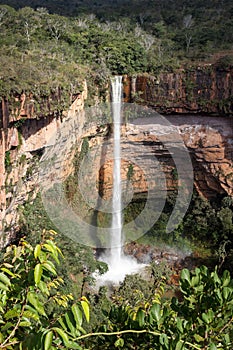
{"x":200,"y":319}
{"x":174,"y":174}
{"x":79,"y":263}
{"x":207,"y":224}
{"x":130,"y":172}
{"x":224,"y":62}
{"x":49,"y":55}
{"x":7,"y":160}
{"x":34,"y":314}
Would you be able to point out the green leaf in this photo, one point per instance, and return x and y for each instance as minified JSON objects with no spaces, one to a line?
{"x":62,"y":323}
{"x":179,"y":345}
{"x":62,"y":335}
{"x":31,"y":314}
{"x":163,"y":339}
{"x":38,"y":273}
{"x":179,"y":325}
{"x":77,"y":315}
{"x":12,"y":313}
{"x":226,"y":278}
{"x":37,"y":251}
{"x":50,"y":247}
{"x":227,"y":338}
{"x":219,"y":295}
{"x":49,"y":266}
{"x":212,"y":346}
{"x":10,"y":273}
{"x":198,"y":338}
{"x":34,"y":301}
{"x":3,"y":287}
{"x":69,"y":321}
{"x":1,"y":338}
{"x":226,"y":292}
{"x":194,"y":281}
{"x":140,"y":317}
{"x":73,"y":345}
{"x":48,"y":340}
{"x":85,"y":306}
{"x":206,"y":317}
{"x":216,"y":277}
{"x":119,"y":343}
{"x":155,"y":311}
{"x":4,"y":279}
{"x":82,"y":330}
{"x":25,"y":324}
{"x":57,"y":250}
{"x":7,"y":326}
{"x":43,"y":287}
{"x":185,"y":275}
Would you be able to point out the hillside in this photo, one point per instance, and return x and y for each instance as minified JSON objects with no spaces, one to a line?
{"x":46,"y":46}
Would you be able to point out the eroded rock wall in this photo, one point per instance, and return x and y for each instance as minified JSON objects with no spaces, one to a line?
{"x":24,"y":134}
{"x":210,"y":149}
{"x":206,"y":89}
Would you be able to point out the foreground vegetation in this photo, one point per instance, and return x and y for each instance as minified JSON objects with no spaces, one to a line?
{"x":35,"y":313}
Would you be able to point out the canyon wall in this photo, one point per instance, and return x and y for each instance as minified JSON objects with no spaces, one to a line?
{"x":206,"y":89}
{"x":25,"y":133}
{"x":147,"y":144}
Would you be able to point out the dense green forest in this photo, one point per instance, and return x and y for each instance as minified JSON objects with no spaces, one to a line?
{"x":48,"y":298}
{"x":42,"y":47}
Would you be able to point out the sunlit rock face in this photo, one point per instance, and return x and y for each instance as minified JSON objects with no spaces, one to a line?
{"x":210,"y":148}
{"x":23,"y":135}
{"x":208,"y":139}
{"x":212,"y":155}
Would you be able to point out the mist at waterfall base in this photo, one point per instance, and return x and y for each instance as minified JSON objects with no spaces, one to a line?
{"x":119,"y":265}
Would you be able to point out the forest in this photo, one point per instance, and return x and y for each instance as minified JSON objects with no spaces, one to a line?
{"x":48,"y":294}
{"x":43,"y":46}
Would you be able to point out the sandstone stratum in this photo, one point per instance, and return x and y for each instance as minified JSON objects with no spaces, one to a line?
{"x":198,"y":104}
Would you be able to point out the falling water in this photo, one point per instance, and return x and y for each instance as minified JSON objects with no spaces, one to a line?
{"x":119,"y":265}
{"x":116,"y":229}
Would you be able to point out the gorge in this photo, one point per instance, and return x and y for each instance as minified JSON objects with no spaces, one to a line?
{"x":208,"y":138}
{"x":116,"y":174}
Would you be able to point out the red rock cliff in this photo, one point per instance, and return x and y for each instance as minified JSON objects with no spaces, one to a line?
{"x":23,"y":135}
{"x":209,"y":146}
{"x":24,"y":131}
{"x":205,"y":89}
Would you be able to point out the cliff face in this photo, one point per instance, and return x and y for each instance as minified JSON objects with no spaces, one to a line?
{"x":209,"y":146}
{"x":205,"y":89}
{"x":24,"y":134}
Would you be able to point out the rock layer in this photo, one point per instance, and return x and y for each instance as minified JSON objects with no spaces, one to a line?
{"x":210,"y":150}
{"x":206,"y":89}
{"x":24,"y":135}
{"x":209,"y":141}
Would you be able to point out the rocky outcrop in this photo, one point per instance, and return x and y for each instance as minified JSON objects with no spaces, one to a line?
{"x":143,"y":147}
{"x":212,"y":157}
{"x":24,"y":134}
{"x":206,"y":89}
{"x":209,"y":141}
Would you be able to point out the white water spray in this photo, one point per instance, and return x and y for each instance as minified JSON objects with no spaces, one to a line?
{"x":116,"y":229}
{"x":119,"y":265}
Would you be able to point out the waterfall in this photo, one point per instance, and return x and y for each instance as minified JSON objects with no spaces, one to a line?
{"x":119,"y":265}
{"x":116,"y":229}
